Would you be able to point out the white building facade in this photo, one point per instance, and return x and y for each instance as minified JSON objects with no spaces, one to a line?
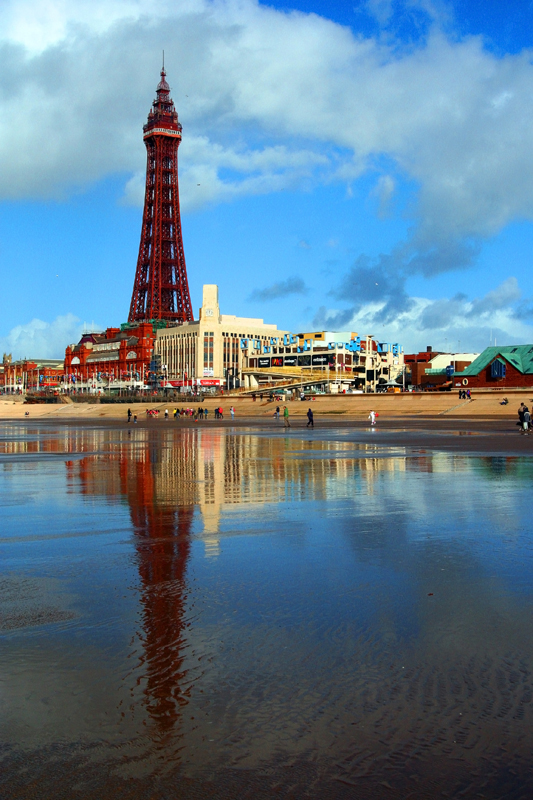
{"x":204,"y":352}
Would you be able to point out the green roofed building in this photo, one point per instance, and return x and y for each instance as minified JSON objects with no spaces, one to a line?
{"x":499,"y":368}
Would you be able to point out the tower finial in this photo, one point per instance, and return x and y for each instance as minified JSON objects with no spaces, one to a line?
{"x":163,"y":60}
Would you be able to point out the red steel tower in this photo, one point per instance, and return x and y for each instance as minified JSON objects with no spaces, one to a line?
{"x":161,"y":289}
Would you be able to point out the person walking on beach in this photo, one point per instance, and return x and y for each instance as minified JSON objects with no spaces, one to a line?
{"x":286,"y":417}
{"x":372,"y":417}
{"x":521,"y":409}
{"x":129,"y":414}
{"x":526,"y":424}
{"x":232,"y":412}
{"x":310,"y":419}
{"x":135,"y":419}
{"x":166,"y":414}
{"x":276,"y":412}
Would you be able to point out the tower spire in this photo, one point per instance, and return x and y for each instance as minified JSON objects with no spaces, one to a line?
{"x":161,"y":288}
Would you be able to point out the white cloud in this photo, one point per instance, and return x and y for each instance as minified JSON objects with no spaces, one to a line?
{"x":453,"y":322}
{"x":38,"y":339}
{"x":268,"y":100}
{"x":254,"y":172}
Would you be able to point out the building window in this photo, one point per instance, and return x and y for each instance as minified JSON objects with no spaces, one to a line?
{"x":208,"y":351}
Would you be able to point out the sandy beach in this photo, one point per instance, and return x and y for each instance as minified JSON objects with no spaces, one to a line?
{"x":441,"y":406}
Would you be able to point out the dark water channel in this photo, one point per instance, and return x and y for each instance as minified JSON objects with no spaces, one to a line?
{"x":203,"y":613}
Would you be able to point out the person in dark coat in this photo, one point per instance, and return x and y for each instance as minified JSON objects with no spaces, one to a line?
{"x":310,"y":420}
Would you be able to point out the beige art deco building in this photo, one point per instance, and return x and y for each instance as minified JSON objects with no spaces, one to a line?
{"x":200,"y":353}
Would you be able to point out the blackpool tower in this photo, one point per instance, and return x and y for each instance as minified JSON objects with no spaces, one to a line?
{"x":161,"y":289}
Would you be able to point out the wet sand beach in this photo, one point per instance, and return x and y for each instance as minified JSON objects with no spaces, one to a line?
{"x":222,"y":610}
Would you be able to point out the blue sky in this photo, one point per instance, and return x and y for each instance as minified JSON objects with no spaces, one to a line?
{"x":363,"y":165}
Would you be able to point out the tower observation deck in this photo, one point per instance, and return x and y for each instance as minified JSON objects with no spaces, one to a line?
{"x":161,"y":289}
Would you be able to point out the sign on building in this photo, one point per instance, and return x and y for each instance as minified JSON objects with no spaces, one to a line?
{"x":322,"y":359}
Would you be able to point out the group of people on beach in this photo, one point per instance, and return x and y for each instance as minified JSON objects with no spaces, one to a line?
{"x":464,"y":394}
{"x":195,"y":413}
{"x":177,"y":413}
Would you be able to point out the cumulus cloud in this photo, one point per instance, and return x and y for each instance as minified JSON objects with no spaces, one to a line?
{"x":505,"y":295}
{"x":270,"y":100}
{"x":443,"y":323}
{"x":281,"y":289}
{"x":38,"y":339}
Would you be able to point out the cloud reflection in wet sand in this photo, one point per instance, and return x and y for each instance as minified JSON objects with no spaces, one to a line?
{"x":355,"y":617}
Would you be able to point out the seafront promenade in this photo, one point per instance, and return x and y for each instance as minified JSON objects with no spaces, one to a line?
{"x":331,"y":407}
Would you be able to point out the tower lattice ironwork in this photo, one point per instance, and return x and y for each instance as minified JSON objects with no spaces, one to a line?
{"x":161,"y":289}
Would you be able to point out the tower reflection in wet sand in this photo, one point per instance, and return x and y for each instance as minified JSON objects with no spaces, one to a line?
{"x":162,"y":541}
{"x":162,"y":509}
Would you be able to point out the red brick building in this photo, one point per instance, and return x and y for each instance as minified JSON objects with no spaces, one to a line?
{"x":120,"y":356}
{"x":27,"y":375}
{"x":427,"y":370}
{"x":416,"y":364}
{"x":499,"y":368}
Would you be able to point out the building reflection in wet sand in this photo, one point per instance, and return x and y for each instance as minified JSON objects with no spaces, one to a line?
{"x":162,"y":483}
{"x":286,"y":593}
